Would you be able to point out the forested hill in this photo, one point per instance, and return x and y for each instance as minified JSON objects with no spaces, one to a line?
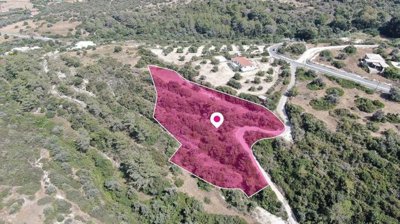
{"x":230,"y":19}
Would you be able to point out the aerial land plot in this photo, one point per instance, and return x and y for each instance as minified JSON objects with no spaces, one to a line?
{"x":221,"y":156}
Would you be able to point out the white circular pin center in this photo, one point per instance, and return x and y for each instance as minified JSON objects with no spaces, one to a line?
{"x":217,"y":119}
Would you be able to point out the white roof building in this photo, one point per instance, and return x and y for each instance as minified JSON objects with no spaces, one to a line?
{"x":243,"y":63}
{"x":376,"y":60}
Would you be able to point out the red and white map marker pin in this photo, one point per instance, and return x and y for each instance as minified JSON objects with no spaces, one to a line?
{"x":217,"y":119}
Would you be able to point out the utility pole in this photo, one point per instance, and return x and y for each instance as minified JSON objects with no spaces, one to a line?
{"x":377,"y":85}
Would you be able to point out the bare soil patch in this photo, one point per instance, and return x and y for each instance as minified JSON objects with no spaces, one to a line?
{"x":217,"y":204}
{"x":128,"y":55}
{"x":346,"y":101}
{"x":16,"y":27}
{"x":8,"y":5}
{"x":61,"y":28}
{"x":30,"y":27}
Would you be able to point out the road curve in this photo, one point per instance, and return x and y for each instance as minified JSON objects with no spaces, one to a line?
{"x":239,"y":133}
{"x":375,"y":85}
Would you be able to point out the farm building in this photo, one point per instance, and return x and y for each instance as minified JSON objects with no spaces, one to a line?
{"x":375,"y":62}
{"x":243,"y":64}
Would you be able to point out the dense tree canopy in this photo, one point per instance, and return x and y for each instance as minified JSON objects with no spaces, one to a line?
{"x":232,"y":19}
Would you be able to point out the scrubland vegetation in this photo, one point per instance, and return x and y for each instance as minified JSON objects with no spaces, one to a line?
{"x":346,"y":176}
{"x":242,"y":20}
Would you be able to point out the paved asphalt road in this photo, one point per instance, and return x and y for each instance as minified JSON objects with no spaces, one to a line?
{"x":336,"y":73}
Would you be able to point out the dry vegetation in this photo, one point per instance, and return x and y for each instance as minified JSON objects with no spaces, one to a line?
{"x":41,"y":27}
{"x":15,"y":4}
{"x":128,"y":55}
{"x":346,"y":101}
{"x":217,"y":204}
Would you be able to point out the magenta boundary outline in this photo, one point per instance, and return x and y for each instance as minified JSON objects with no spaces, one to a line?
{"x":180,"y":144}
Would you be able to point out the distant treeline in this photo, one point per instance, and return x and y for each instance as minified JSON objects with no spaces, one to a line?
{"x":233,"y":19}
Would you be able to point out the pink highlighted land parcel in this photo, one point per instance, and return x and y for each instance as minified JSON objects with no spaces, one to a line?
{"x":221,"y":156}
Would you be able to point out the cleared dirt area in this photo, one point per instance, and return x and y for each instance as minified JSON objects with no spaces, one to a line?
{"x":217,"y":204}
{"x":127,"y":55}
{"x":224,"y":72}
{"x":16,"y":27}
{"x":219,"y":78}
{"x":8,"y":5}
{"x":30,"y":27}
{"x":175,"y":57}
{"x":61,"y":28}
{"x":346,"y":101}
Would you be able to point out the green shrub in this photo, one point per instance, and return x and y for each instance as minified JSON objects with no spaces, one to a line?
{"x":237,"y":76}
{"x":250,"y":97}
{"x":326,"y":55}
{"x":214,"y":61}
{"x":303,"y":74}
{"x":214,"y":69}
{"x":292,"y":92}
{"x":167,"y":51}
{"x":394,"y":94}
{"x":226,"y":89}
{"x":326,"y":103}
{"x":260,"y":73}
{"x":71,"y":61}
{"x":179,"y":182}
{"x":269,"y":79}
{"x":296,"y":48}
{"x":316,"y":84}
{"x":393,"y":118}
{"x":257,"y":80}
{"x":192,"y":49}
{"x":343,"y":113}
{"x":235,"y":84}
{"x":117,"y":49}
{"x":347,"y":84}
{"x":350,"y":50}
{"x":372,"y":126}
{"x":203,"y":185}
{"x":341,"y":56}
{"x":392,"y":73}
{"x":335,"y":90}
{"x":367,"y":105}
{"x":338,"y":64}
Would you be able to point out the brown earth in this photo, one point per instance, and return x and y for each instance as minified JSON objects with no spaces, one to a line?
{"x":346,"y":101}
{"x":217,"y":204}
{"x":15,"y":4}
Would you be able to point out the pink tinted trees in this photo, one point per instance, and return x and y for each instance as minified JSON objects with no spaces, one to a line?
{"x":222,"y":156}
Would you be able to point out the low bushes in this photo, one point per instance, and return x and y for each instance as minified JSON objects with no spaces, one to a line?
{"x":367,"y":105}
